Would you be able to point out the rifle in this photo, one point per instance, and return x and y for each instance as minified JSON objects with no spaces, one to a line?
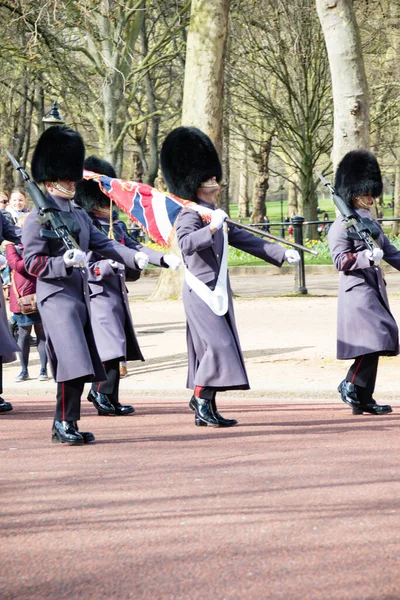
{"x":362,"y":228}
{"x":60,"y":222}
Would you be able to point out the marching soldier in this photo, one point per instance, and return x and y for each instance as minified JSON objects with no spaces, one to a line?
{"x":110,"y":314}
{"x":192,"y":170}
{"x":8,"y":345}
{"x":62,"y":287}
{"x":366,"y":328}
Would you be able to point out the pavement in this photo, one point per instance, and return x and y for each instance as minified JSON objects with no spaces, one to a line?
{"x":299,"y":501}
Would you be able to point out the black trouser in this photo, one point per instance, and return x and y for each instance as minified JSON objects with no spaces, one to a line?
{"x":205,"y":393}
{"x":1,"y":374}
{"x":363,"y":374}
{"x":68,"y":407}
{"x":109,"y":386}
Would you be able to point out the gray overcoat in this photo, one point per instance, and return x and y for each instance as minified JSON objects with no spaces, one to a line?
{"x":110,"y":314}
{"x":8,"y":345}
{"x":365,"y":323}
{"x":215,"y":357}
{"x":63,"y":293}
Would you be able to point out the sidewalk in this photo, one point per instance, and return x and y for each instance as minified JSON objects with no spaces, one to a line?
{"x":289,"y":343}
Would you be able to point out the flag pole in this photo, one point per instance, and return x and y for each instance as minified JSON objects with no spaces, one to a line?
{"x":270,"y":236}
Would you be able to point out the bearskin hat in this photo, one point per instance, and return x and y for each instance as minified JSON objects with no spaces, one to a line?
{"x":59,"y":154}
{"x":88,"y":193}
{"x":358,"y":174}
{"x":188,"y":158}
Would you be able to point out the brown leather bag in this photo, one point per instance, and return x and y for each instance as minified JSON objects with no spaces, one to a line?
{"x":27,"y":304}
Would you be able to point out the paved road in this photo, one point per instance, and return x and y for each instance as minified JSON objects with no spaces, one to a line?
{"x":300,"y":501}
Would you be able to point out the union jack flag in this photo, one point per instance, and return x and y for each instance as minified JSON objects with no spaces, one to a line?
{"x":155,"y":212}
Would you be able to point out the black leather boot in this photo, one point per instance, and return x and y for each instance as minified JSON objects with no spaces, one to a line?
{"x":348,"y":392}
{"x":86,"y":435}
{"x":5,"y":406}
{"x":101,"y":402}
{"x":372,"y":408}
{"x":123,"y":409}
{"x":203,"y":411}
{"x":221,"y":420}
{"x":65,"y":432}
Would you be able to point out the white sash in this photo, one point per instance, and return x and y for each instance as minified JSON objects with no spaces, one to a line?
{"x":216,"y":299}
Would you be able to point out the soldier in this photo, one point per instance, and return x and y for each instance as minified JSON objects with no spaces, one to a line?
{"x":192,"y":170}
{"x":8,"y":345}
{"x":110,"y":314}
{"x":62,"y":287}
{"x":366,"y":328}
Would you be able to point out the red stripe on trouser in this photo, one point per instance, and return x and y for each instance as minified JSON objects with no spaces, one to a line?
{"x":100,"y":382}
{"x":63,"y":401}
{"x":358,"y":366}
{"x":197,"y":390}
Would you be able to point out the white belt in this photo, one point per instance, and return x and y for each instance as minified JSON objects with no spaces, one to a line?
{"x":216,"y":299}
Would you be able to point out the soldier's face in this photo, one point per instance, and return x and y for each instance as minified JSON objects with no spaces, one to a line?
{"x":63,"y":188}
{"x":208,"y":190}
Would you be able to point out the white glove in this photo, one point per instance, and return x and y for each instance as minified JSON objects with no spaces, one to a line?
{"x":172,"y":261}
{"x":141,"y":259}
{"x":375,"y":255}
{"x":292,"y":256}
{"x":3,"y":260}
{"x":74,"y":257}
{"x":218,"y":218}
{"x":116,"y":265}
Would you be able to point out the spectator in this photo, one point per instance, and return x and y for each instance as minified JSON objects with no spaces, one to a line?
{"x":23,"y":284}
{"x":4,"y":201}
{"x":17,"y":207}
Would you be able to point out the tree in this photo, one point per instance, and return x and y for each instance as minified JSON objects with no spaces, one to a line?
{"x":351,"y":128}
{"x":203,"y":87}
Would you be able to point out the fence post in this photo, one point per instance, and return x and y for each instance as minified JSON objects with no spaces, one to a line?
{"x":299,"y":272}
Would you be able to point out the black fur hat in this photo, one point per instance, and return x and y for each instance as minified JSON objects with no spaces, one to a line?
{"x":188,"y":158}
{"x":358,"y":174}
{"x":59,"y":154}
{"x":88,"y":193}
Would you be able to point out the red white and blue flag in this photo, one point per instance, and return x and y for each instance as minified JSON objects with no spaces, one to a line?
{"x":155,"y":212}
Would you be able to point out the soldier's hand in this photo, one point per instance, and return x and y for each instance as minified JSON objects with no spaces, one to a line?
{"x":292,"y":256}
{"x":217,"y":219}
{"x":116,"y":265}
{"x":141,"y":259}
{"x":174,"y":262}
{"x":374,"y":255}
{"x":74,"y":257}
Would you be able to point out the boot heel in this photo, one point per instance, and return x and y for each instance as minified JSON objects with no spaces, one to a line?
{"x":199,"y":423}
{"x":357,"y":411}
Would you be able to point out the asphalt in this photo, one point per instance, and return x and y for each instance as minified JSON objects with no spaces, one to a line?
{"x":299,"y":501}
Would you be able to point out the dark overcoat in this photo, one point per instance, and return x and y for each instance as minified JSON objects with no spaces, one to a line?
{"x":63,"y":293}
{"x":215,"y":357}
{"x":365,"y":323}
{"x":8,"y":345}
{"x":110,"y":314}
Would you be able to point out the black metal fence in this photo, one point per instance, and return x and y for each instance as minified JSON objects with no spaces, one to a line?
{"x":297,"y":224}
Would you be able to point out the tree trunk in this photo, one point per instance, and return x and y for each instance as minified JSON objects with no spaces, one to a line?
{"x":349,"y":81}
{"x":204,"y":71}
{"x":292,"y":200}
{"x":243,"y":196}
{"x":203,"y":90}
{"x":154,"y":123}
{"x":261,"y":183}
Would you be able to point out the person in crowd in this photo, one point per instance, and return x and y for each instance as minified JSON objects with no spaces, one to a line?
{"x":17,"y":206}
{"x":191,"y":169}
{"x":110,"y":314}
{"x":62,"y":277}
{"x":22,"y":284}
{"x":4,"y":200}
{"x":8,"y":345}
{"x":366,"y":328}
